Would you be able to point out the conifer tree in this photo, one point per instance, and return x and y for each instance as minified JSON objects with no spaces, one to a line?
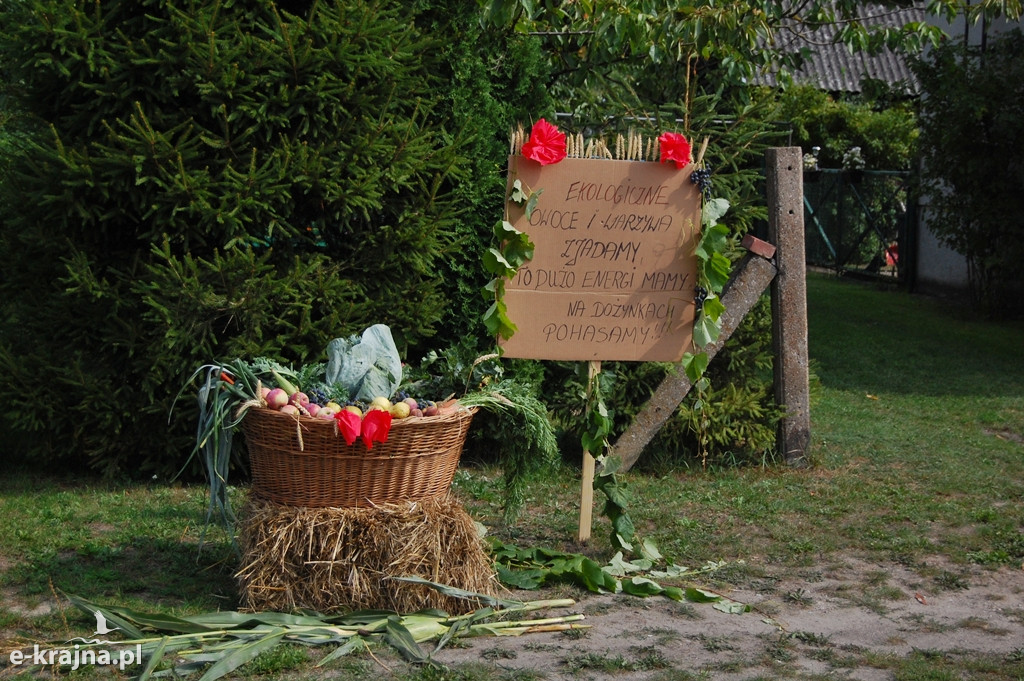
{"x":219,"y":180}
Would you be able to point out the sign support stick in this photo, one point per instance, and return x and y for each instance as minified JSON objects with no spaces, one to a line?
{"x":589,"y":464}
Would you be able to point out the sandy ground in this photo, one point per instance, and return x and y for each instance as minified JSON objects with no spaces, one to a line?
{"x":822,"y":623}
{"x":840,"y":621}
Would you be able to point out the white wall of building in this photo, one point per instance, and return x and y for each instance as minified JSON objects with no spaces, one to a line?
{"x":939,"y":268}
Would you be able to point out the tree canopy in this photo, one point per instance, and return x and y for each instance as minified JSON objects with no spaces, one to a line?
{"x":635,"y":55}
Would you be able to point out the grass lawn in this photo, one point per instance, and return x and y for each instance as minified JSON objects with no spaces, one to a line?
{"x":918,"y":448}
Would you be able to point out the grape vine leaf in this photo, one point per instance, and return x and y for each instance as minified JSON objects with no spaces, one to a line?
{"x":518,"y":195}
{"x":705,"y":332}
{"x":497,"y":321}
{"x":694,"y":365}
{"x":716,"y":270}
{"x":496,"y":263}
{"x":713,"y":211}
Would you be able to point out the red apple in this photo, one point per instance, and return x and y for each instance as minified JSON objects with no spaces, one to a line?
{"x":276,"y":398}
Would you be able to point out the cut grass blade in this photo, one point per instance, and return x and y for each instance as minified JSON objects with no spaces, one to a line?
{"x":154,"y":659}
{"x":401,"y":639}
{"x":221,"y":642}
{"x":459,"y":593}
{"x":232,"y":619}
{"x":241,"y":654}
{"x":110,"y":614}
{"x":353,"y":644}
{"x":131,"y":620}
{"x":522,"y":627}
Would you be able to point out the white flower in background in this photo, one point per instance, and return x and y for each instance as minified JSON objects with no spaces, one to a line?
{"x":853,"y":159}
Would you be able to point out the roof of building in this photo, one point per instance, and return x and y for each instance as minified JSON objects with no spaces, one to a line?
{"x":833,"y":67}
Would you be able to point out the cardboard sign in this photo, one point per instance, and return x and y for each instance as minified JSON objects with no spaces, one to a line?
{"x":614,"y":269}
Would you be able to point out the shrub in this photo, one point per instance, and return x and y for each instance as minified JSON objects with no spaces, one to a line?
{"x":228,"y":180}
{"x":885,"y":130}
{"x":972,"y":148}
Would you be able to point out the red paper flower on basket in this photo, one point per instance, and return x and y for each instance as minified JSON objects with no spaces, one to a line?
{"x":675,"y":147}
{"x":349,"y":423}
{"x":546,"y":144}
{"x":376,"y":424}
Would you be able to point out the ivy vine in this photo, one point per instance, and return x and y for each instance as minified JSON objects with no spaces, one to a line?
{"x":514,"y":248}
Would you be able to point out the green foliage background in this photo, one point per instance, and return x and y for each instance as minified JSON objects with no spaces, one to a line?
{"x":218,"y":180}
{"x":883,"y":126}
{"x":183,"y":182}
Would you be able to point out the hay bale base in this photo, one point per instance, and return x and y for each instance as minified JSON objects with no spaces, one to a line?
{"x":341,"y":559}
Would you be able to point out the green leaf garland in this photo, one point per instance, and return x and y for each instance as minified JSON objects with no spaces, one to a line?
{"x":515,"y":248}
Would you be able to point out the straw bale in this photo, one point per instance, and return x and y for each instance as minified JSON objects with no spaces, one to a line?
{"x":341,"y":559}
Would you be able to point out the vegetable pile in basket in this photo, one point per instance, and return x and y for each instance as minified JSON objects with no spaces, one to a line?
{"x":360,"y":387}
{"x":355,"y":388}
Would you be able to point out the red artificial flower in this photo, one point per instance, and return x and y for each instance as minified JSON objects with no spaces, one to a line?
{"x":675,"y":147}
{"x":546,"y":144}
{"x":349,"y":423}
{"x":376,"y":424}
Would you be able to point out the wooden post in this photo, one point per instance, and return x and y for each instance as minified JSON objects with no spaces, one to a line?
{"x":589,"y":464}
{"x":785,"y":193}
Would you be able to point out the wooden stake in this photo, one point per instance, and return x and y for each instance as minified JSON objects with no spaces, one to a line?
{"x":589,"y":464}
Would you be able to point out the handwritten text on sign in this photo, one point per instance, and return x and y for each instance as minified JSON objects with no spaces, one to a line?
{"x":614,"y":269}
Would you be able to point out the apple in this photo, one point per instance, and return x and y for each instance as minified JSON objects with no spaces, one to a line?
{"x":276,"y":398}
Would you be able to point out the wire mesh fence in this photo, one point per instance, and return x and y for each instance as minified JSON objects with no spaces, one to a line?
{"x":857,"y":220}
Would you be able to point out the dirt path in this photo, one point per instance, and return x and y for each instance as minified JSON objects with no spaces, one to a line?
{"x":843,"y":621}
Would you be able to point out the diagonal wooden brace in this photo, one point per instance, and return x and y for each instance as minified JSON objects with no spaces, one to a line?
{"x":749,"y":280}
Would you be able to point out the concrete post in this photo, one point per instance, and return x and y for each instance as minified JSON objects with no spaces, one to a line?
{"x":785,"y":193}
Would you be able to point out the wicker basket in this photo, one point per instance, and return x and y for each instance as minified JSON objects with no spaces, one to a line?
{"x":306,"y":462}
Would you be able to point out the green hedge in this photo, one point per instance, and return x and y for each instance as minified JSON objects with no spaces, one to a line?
{"x":215,"y":180}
